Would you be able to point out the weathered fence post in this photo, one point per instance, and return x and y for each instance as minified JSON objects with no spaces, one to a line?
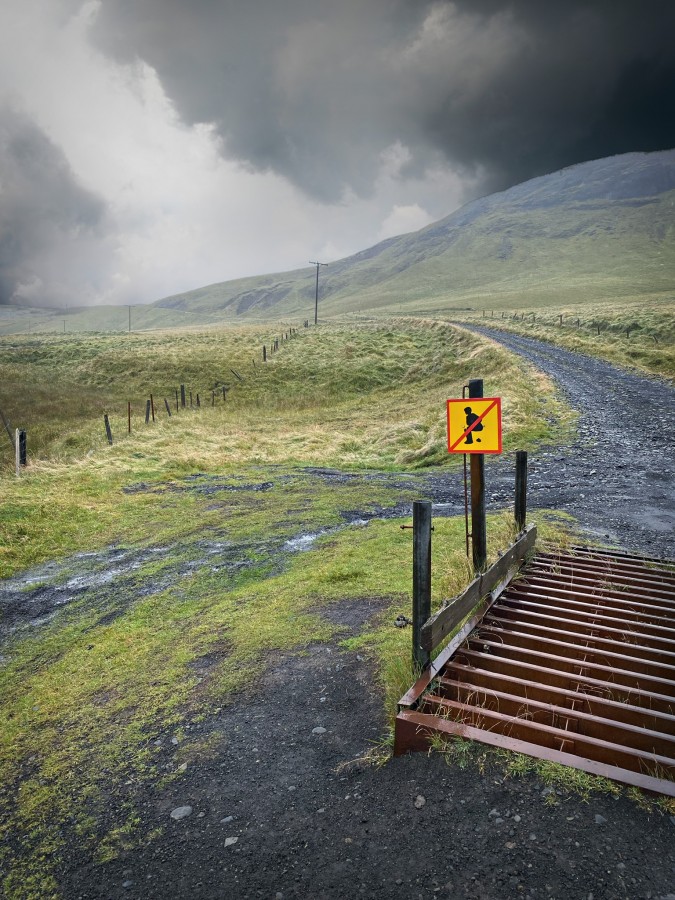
{"x":264,"y":353}
{"x":108,"y":430}
{"x":147,"y":411}
{"x":128,"y":416}
{"x":478,"y":526}
{"x":17,"y":464}
{"x":198,"y":403}
{"x":152,"y":407}
{"x":224,"y":393}
{"x":421,"y":578}
{"x":521,"y":489}
{"x":168,"y":408}
{"x":182,"y":396}
{"x":176,"y":399}
{"x":23,"y":456}
{"x":190,"y":399}
{"x":213,"y":398}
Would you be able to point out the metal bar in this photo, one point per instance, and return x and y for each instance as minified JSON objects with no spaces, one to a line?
{"x":581,"y":637}
{"x":495,"y":580}
{"x":478,"y":519}
{"x":421,"y":578}
{"x":416,"y":729}
{"x":587,"y":588}
{"x":558,"y":739}
{"x":511,"y":638}
{"x":579,"y":609}
{"x":530,"y":690}
{"x":575,"y":722}
{"x":521,"y":489}
{"x":546,"y":675}
{"x":611,"y":675}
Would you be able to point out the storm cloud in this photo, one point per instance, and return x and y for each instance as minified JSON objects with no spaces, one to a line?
{"x":47,"y":220}
{"x":317,"y":90}
{"x":151,"y":146}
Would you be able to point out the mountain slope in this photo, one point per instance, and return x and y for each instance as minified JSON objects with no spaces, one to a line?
{"x":592,"y":231}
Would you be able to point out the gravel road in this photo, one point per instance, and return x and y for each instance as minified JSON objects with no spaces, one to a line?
{"x":618,"y":477}
{"x":273,"y":815}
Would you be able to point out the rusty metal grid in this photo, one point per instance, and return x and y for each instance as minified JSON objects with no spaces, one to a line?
{"x":575,"y":662}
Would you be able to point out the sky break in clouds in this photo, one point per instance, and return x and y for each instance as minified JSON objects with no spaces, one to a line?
{"x":152,"y":146}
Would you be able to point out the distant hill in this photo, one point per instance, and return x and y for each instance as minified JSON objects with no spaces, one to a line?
{"x":593,"y":231}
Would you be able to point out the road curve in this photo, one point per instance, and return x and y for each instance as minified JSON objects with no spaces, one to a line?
{"x":617,"y":478}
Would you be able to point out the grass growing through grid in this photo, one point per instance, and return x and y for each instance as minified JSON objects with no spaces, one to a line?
{"x":86,"y":695}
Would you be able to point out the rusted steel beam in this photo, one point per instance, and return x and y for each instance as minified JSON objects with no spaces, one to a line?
{"x":636,"y":600}
{"x":600,"y":750}
{"x":582,"y":637}
{"x":611,"y":674}
{"x":584,"y":611}
{"x":575,"y":651}
{"x":417,"y":729}
{"x":552,"y":618}
{"x":574,"y":661}
{"x":577,"y":723}
{"x":576,"y":699}
{"x":546,"y":675}
{"x":492,"y":582}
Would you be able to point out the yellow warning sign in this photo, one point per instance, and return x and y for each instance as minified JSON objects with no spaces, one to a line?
{"x":475,"y":425}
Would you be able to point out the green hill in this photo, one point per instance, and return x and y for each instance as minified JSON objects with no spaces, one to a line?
{"x":598,"y":233}
{"x":593,"y":231}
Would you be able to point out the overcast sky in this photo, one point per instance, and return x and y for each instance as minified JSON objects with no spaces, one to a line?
{"x":152,"y":146}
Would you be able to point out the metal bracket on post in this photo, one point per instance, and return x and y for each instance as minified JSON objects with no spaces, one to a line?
{"x":421,"y":579}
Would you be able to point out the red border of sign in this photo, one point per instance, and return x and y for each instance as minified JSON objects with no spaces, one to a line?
{"x":496,"y":402}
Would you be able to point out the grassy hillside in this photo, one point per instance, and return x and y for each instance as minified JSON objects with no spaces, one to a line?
{"x":595,"y":231}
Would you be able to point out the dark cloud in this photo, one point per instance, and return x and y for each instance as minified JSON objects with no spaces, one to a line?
{"x":316,"y":90}
{"x":44,"y":213}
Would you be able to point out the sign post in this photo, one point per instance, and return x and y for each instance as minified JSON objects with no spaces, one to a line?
{"x":475,"y":428}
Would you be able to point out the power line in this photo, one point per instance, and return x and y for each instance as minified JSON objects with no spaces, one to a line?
{"x":316,"y":295}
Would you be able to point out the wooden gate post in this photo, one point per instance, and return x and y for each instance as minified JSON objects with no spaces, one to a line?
{"x":421,"y":578}
{"x":521,"y":489}
{"x":478,"y":526}
{"x":108,"y":430}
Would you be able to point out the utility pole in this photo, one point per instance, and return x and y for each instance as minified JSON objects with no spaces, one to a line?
{"x":316,"y":295}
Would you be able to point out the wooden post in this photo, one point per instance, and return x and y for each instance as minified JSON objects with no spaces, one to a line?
{"x":190,"y":399}
{"x":176,"y":399}
{"x":561,"y":318}
{"x":478,"y":525}
{"x":421,"y":578}
{"x":108,"y":430}
{"x":5,"y":422}
{"x":521,"y":489}
{"x":264,"y":353}
{"x":129,"y":416}
{"x":152,"y":407}
{"x":198,"y":403}
{"x":23,"y":458}
{"x":147,"y":411}
{"x":182,"y":396}
{"x":213,"y":398}
{"x":17,"y":463}
{"x":598,"y":330}
{"x":168,"y":408}
{"x":224,"y":393}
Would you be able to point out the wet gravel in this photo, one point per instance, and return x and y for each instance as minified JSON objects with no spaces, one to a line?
{"x":618,"y":477}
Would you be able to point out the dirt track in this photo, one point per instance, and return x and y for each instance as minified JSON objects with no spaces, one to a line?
{"x":306,"y":829}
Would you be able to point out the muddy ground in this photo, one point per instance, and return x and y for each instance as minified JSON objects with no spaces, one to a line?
{"x":277,"y":814}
